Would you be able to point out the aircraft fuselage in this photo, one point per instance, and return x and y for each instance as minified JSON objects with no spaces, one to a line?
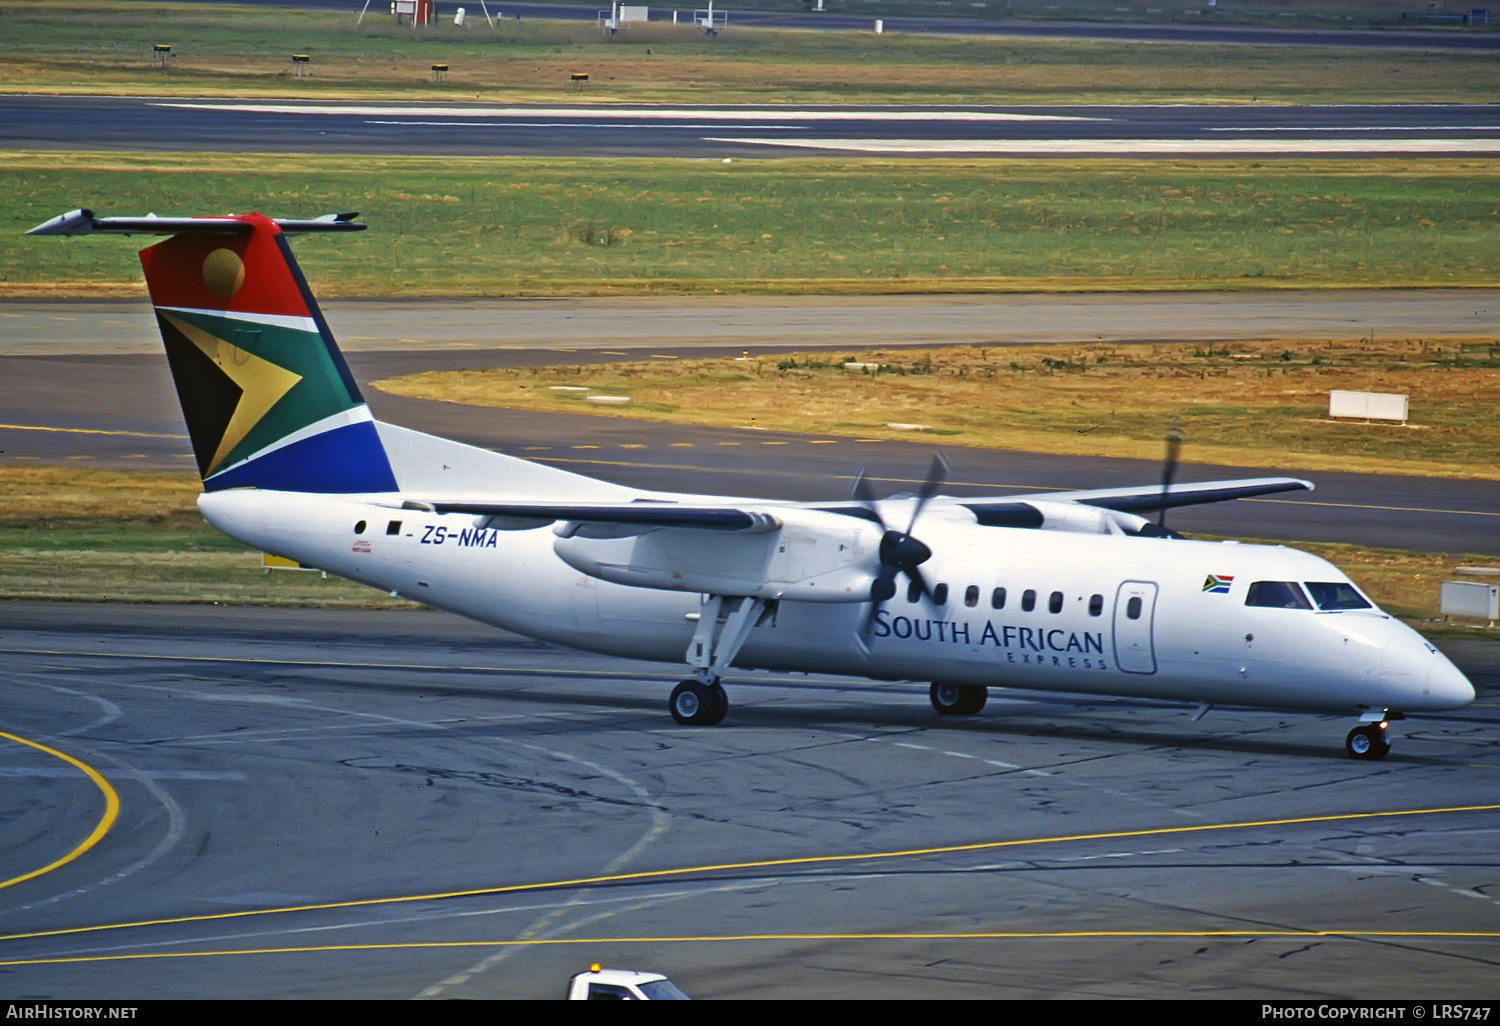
{"x":1047,"y":610}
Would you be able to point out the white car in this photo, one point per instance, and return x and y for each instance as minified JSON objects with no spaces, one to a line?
{"x":600,"y":984}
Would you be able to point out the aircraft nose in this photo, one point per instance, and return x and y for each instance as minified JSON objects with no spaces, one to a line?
{"x":1447,"y":684}
{"x":1417,"y":676}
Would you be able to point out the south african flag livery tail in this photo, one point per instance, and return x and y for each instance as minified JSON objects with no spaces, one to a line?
{"x":268,"y":399}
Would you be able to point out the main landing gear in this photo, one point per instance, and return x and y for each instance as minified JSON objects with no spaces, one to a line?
{"x":723,"y":627}
{"x":958,"y":699}
{"x":698,"y":704}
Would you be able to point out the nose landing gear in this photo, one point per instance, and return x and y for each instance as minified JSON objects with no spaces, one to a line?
{"x":1368,"y":741}
{"x":958,"y":699}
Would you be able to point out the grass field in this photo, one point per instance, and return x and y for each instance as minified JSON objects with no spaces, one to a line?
{"x":95,"y":46}
{"x":535,"y":226}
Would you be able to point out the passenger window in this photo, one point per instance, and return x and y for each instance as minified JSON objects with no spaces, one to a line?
{"x":1276,"y":595}
{"x":971,"y":596}
{"x":1133,"y":607}
{"x":914,"y":592}
{"x":1055,"y":602}
{"x":359,"y":528}
{"x":1096,"y":605}
{"x":394,"y":527}
{"x":997,"y":598}
{"x":1330,"y":595}
{"x":1028,"y":600}
{"x":940,"y":595}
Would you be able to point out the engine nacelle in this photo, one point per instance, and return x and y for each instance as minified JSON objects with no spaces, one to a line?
{"x":814,"y":556}
{"x":1084,"y":519}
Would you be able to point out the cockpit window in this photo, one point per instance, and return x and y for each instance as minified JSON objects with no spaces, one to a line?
{"x":1331,"y":595}
{"x":1277,"y":595}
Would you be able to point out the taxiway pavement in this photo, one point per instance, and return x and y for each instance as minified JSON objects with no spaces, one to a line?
{"x":397,"y":805}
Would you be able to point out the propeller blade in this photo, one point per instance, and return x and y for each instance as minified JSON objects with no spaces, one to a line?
{"x":862,"y":492}
{"x":882,"y":589}
{"x":921,"y":582}
{"x":937,"y":473}
{"x":1169,"y":470}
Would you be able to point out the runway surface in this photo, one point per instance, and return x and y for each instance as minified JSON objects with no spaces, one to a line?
{"x":702,"y":131}
{"x":398,"y":805}
{"x":93,"y":390}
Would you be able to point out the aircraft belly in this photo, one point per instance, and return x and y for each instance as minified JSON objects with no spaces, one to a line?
{"x":521,"y":585}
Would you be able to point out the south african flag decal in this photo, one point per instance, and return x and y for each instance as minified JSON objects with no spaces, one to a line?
{"x":1217,"y":584}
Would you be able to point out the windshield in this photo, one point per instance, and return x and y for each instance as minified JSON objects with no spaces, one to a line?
{"x":663,"y":990}
{"x":1330,"y":595}
{"x":1277,"y":595}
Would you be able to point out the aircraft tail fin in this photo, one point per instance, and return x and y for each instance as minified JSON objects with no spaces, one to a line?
{"x":268,"y":399}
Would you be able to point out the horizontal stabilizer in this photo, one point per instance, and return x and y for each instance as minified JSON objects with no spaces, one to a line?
{"x":84,"y":222}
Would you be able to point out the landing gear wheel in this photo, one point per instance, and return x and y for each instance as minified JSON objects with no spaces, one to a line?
{"x":958,"y":699}
{"x":1368,"y":742}
{"x":695,"y":704}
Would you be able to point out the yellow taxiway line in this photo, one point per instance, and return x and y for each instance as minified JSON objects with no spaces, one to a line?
{"x":111,"y":810}
{"x":814,"y":860}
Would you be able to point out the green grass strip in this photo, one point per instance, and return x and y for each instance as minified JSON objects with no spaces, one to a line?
{"x":532,"y":226}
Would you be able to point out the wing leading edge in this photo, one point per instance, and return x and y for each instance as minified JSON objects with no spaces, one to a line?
{"x":1150,"y":498}
{"x":1011,"y":511}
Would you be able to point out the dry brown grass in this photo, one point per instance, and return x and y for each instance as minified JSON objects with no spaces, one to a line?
{"x":1246,"y":403}
{"x":136,"y":536}
{"x":37,"y":495}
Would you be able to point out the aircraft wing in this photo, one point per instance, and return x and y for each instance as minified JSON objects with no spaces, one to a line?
{"x":1149,"y":498}
{"x":637,"y":514}
{"x":758,"y":517}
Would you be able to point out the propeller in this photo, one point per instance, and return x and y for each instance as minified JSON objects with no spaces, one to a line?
{"x":899,"y":552}
{"x":1169,"y":471}
{"x":1168,"y":474}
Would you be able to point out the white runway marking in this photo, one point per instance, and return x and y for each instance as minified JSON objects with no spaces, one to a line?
{"x":1126,"y":147}
{"x":1357,"y":128}
{"x":685,"y":126}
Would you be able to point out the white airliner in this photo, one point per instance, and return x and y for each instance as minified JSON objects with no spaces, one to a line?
{"x":1072,"y":592}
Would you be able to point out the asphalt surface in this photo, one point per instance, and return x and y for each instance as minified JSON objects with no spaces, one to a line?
{"x":318,"y":804}
{"x":703,"y":131}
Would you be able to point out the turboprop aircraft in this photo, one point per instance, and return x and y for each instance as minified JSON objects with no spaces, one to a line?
{"x":1075,"y":592}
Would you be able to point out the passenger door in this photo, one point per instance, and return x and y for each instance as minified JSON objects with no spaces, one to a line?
{"x":1135,"y":608}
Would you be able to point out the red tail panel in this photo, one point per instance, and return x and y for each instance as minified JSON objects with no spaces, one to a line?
{"x":236,"y":273}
